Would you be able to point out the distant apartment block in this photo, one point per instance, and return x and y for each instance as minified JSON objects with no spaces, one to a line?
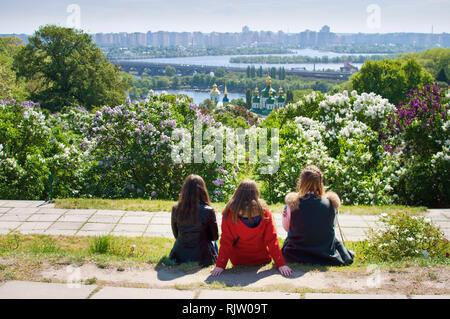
{"x":247,"y":37}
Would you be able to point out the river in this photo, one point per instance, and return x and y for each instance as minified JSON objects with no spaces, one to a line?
{"x":224,"y":60}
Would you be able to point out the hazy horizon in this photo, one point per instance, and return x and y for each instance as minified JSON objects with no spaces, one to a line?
{"x":290,"y":16}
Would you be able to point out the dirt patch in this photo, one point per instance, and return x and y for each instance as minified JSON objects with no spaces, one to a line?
{"x":414,"y":280}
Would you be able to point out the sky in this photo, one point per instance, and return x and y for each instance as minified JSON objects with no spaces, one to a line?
{"x":343,"y":16}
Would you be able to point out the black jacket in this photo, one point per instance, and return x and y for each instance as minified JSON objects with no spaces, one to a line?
{"x":194,"y":242}
{"x":311,"y":238}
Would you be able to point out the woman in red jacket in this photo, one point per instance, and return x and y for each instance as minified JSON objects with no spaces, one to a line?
{"x":248,"y":232}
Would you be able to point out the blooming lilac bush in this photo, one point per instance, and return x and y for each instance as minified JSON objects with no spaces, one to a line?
{"x":133,"y":147}
{"x":338,"y":133}
{"x":31,"y":146}
{"x":418,"y":133}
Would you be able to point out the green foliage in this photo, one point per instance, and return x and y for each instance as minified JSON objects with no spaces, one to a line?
{"x":338,"y":133}
{"x":32,"y":145}
{"x":68,"y":68}
{"x":13,"y":241}
{"x":169,"y":70}
{"x":100,"y":245}
{"x":402,"y":236}
{"x":390,"y":78}
{"x":433,"y":60}
{"x":418,"y":133}
{"x":9,"y":86}
{"x":44,"y":245}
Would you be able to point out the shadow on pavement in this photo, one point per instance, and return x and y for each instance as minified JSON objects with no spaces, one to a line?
{"x":246,"y":275}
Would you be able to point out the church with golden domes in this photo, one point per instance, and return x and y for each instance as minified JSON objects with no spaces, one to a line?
{"x":269,"y":99}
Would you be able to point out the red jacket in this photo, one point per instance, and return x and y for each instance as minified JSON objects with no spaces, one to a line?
{"x":256,"y":246}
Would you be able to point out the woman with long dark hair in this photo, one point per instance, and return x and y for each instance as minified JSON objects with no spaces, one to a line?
{"x":194,"y":225}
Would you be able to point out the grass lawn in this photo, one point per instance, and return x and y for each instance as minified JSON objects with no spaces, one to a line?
{"x":166,"y":205}
{"x":120,"y":252}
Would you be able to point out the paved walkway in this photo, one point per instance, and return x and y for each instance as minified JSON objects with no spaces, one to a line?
{"x":40,"y":290}
{"x":39,"y":217}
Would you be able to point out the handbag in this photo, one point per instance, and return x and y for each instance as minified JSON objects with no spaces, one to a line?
{"x":346,"y":254}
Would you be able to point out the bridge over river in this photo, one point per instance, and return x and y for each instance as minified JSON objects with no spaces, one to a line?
{"x":154,"y":68}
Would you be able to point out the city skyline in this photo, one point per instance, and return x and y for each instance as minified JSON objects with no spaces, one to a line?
{"x":289,"y":16}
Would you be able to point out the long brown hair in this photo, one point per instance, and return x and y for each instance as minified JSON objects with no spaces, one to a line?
{"x":245,"y":202}
{"x":193,"y":193}
{"x":311,"y":180}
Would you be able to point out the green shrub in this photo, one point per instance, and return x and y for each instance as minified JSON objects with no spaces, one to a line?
{"x":402,"y":236}
{"x":100,"y":245}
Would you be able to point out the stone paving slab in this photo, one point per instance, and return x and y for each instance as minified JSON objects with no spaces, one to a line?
{"x":117,"y":213}
{"x":9,"y":225}
{"x":21,"y":203}
{"x":14,"y":218}
{"x":43,"y":217}
{"x":161,"y":220}
{"x":135,"y":220}
{"x":23,"y":211}
{"x":142,"y":293}
{"x":227,"y":294}
{"x":130,"y":228}
{"x":80,"y":212}
{"x":66,"y":225}
{"x":34,"y":226}
{"x":106,"y":219}
{"x":4,"y":210}
{"x":51,"y":211}
{"x":40,"y":290}
{"x":97,"y":227}
{"x":74,"y":218}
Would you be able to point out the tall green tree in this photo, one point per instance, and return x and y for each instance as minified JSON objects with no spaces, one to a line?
{"x":10,"y":88}
{"x":260,"y":72}
{"x":248,"y":99}
{"x":390,"y":78}
{"x":69,"y":69}
{"x":170,"y":70}
{"x":441,"y":76}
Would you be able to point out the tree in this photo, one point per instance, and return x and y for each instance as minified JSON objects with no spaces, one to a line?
{"x":289,"y":96}
{"x":390,"y":78}
{"x":68,"y":68}
{"x":252,"y":71}
{"x":219,"y":72}
{"x":259,"y":73}
{"x":248,"y":99}
{"x":442,"y":77}
{"x":9,"y":87}
{"x":273,"y":72}
{"x":170,"y":70}
{"x":248,"y":71}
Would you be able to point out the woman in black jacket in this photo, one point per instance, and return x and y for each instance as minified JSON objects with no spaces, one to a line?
{"x":194,"y":225}
{"x":311,"y":238}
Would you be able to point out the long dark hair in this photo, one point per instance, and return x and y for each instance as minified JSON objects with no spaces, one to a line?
{"x":193,"y":193}
{"x":245,"y":202}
